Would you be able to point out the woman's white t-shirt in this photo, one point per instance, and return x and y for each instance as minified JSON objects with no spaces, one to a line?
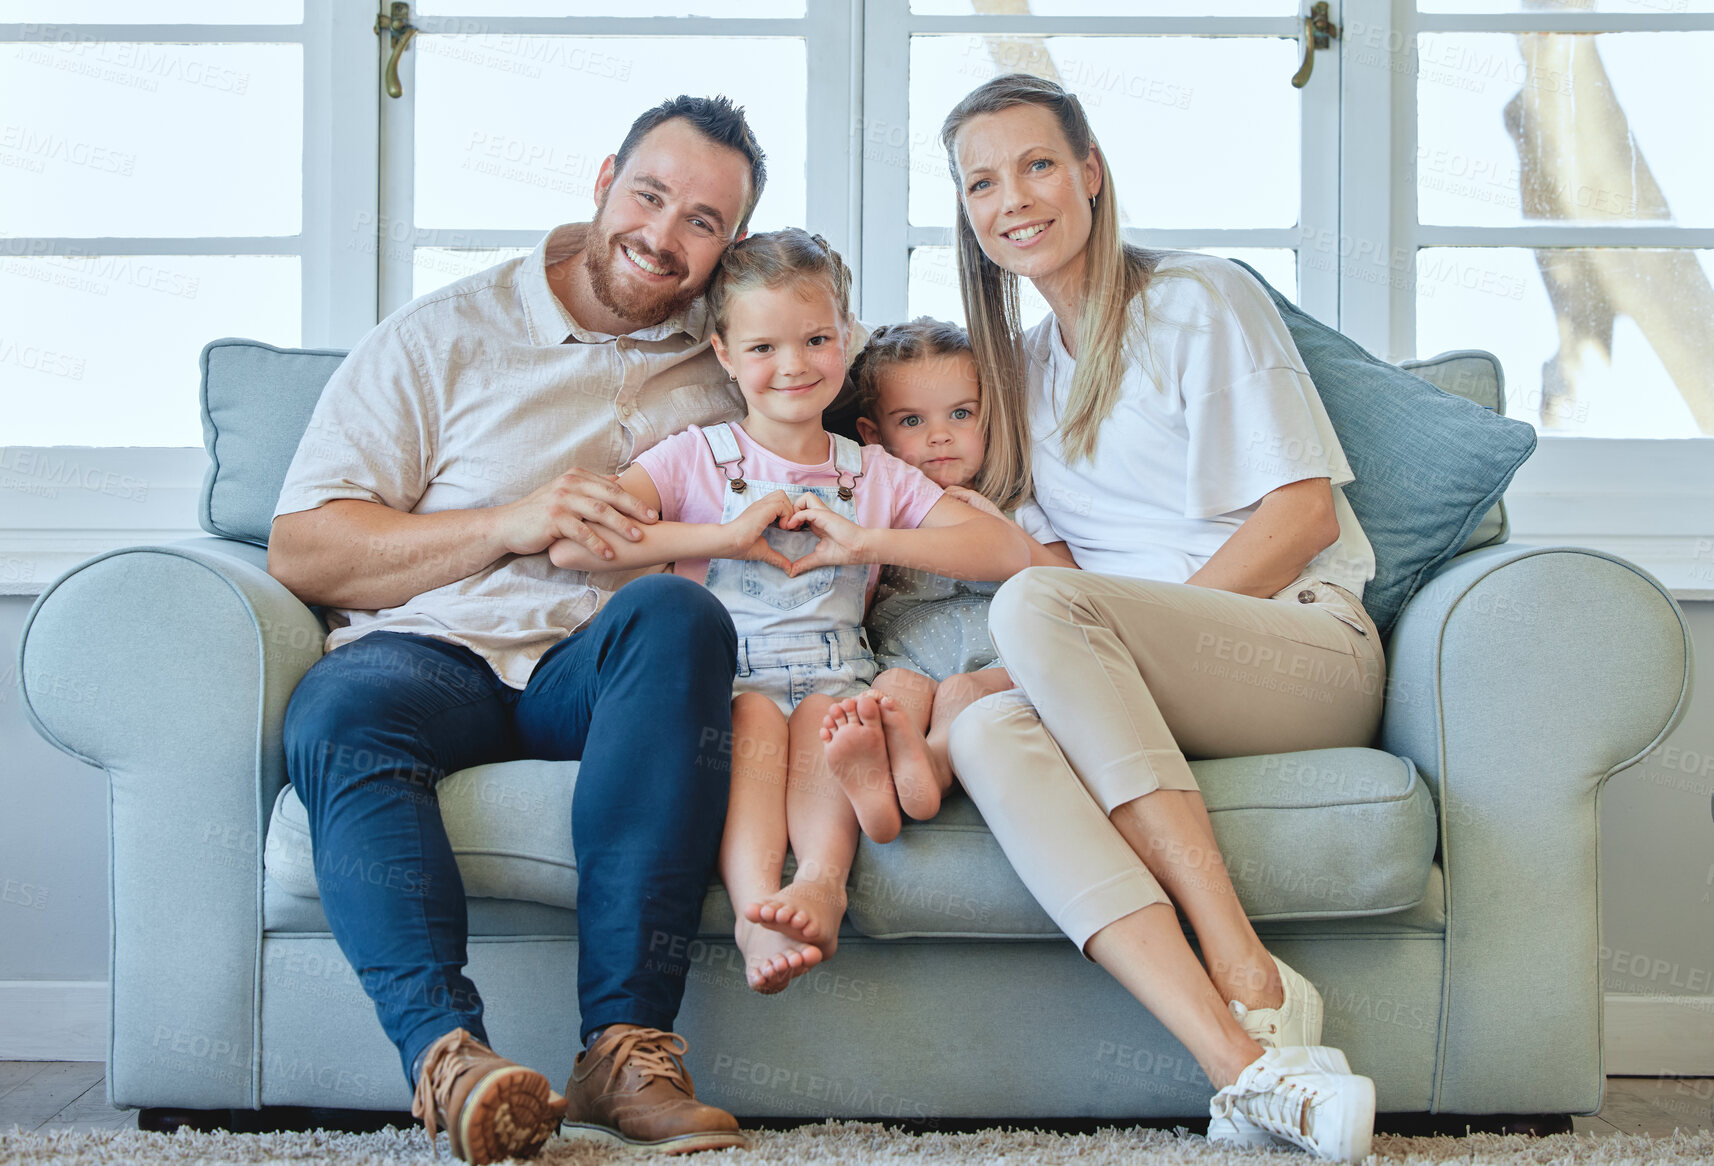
{"x":1216,"y":410}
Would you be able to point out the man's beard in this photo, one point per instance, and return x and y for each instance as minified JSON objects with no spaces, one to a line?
{"x":639,"y":305}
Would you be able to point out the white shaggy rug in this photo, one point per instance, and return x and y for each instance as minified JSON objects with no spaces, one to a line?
{"x":842,"y":1144}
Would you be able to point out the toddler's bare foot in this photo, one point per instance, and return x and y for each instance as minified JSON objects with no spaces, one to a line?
{"x":857,"y":756}
{"x":806,"y":913}
{"x":914,"y":778}
{"x":773,"y":959}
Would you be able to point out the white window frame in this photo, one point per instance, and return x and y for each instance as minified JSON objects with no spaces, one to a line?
{"x":828,"y":29}
{"x":120,"y":496}
{"x":1649,"y":500}
{"x":888,"y":236}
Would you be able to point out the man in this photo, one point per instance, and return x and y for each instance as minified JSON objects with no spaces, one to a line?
{"x":462,"y":435}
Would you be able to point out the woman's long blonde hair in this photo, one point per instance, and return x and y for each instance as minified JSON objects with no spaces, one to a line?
{"x":1114,"y":275}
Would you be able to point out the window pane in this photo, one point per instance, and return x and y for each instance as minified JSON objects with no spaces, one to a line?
{"x":105,"y":138}
{"x":495,"y":149}
{"x":432,"y":268}
{"x":1633,"y":7}
{"x":934,"y":280}
{"x":933,"y":289}
{"x":1613,"y":128}
{"x":1155,"y":103}
{"x":102,"y":349}
{"x":1561,"y":373}
{"x":152,"y":11}
{"x":749,"y":9}
{"x":1117,"y":8}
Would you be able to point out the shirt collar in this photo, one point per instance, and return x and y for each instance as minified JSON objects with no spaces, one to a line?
{"x":549,"y":322}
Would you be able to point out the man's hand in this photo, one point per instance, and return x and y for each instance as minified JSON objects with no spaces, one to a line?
{"x":579,"y":505}
{"x":842,"y":541}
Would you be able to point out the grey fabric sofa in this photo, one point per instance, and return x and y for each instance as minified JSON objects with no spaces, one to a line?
{"x":1440,"y":888}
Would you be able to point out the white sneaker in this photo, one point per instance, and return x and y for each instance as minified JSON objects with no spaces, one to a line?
{"x":1235,"y":1127}
{"x":1300,"y":1096}
{"x":1296,"y":1022}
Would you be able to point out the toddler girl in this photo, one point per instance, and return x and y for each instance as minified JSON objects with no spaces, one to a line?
{"x":782,"y":520}
{"x":916,"y":394}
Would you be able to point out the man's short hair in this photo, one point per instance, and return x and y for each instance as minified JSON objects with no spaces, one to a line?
{"x":718,"y":120}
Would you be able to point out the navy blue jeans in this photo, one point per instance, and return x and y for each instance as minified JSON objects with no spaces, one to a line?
{"x":641,"y":696}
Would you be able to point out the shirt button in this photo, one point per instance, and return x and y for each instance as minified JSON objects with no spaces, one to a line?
{"x":624,"y":410}
{"x":1306,"y":596}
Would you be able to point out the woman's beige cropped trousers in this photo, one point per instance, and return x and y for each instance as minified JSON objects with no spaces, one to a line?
{"x":1119,"y":681}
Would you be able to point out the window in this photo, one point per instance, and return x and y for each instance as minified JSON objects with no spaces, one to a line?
{"x":1520,"y":175}
{"x":1159,"y":80}
{"x":168,"y":180}
{"x":477,"y":156}
{"x":1528,"y":177}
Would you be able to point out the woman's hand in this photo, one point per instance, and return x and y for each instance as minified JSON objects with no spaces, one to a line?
{"x":749,"y":530}
{"x":842,"y":541}
{"x":974,"y":500}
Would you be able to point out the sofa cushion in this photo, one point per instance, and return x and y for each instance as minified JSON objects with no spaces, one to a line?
{"x":1476,"y":376}
{"x":256,"y":405}
{"x":1429,"y":464}
{"x":1316,"y":835}
{"x":510,"y":826}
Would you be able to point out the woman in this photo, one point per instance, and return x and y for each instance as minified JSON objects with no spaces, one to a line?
{"x":1164,"y":420}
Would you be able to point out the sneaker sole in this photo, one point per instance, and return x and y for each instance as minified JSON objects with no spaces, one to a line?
{"x":577,"y":1131}
{"x":511,"y":1113}
{"x":1223,"y":1131}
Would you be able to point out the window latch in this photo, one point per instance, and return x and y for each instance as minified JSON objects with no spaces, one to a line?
{"x":1319,"y":32}
{"x":398,"y":22}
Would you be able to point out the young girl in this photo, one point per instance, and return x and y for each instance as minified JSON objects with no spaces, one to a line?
{"x":782,"y":520}
{"x":916,"y":394}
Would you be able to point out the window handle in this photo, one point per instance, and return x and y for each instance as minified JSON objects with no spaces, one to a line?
{"x":1319,"y":32}
{"x":398,"y":22}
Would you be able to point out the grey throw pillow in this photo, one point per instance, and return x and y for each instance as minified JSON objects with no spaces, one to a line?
{"x":256,"y":405}
{"x":1429,"y":465}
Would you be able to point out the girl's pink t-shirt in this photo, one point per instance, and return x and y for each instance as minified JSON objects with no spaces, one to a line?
{"x":891,"y":494}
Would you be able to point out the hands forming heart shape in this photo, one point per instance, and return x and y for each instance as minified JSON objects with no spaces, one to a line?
{"x":841,"y":540}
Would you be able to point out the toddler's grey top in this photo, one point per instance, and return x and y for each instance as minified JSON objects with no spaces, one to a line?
{"x":939,"y":626}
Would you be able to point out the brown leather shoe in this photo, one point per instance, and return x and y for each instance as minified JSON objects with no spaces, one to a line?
{"x":490,"y":1108}
{"x":631,"y":1086}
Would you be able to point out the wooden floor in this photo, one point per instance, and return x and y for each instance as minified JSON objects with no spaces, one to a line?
{"x":59,"y":1095}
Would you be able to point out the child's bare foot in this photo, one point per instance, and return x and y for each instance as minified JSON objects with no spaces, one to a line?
{"x":914,"y":778}
{"x":772,"y":959}
{"x":807,"y":913}
{"x":857,"y":756}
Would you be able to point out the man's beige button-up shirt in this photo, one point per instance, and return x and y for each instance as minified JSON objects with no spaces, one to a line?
{"x":476,"y":395}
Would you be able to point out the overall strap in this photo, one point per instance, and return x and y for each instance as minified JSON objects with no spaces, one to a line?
{"x":848,"y":456}
{"x":722,"y":444}
{"x":723,"y":447}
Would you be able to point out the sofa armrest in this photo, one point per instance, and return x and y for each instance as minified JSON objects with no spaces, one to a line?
{"x":1520,"y":679}
{"x":170,"y":667}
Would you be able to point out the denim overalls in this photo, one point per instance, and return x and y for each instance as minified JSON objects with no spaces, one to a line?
{"x":802,"y":635}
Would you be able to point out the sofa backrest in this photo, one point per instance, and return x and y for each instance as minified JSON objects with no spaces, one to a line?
{"x":257,"y":400}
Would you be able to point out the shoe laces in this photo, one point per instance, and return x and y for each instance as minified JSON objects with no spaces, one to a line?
{"x":654,"y":1053}
{"x":1241,"y":1013}
{"x":1276,"y":1103}
{"x":446,"y":1060}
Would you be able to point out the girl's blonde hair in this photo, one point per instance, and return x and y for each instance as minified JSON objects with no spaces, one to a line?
{"x":1114,"y":275}
{"x":775,"y":259}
